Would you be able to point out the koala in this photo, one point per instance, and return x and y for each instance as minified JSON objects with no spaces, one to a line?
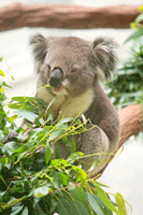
{"x":74,"y":67}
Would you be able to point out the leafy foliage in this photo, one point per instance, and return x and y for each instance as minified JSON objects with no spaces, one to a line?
{"x":31,"y":182}
{"x":127,"y":88}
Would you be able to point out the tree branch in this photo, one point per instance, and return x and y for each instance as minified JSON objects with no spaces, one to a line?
{"x":131,"y":122}
{"x":18,"y":15}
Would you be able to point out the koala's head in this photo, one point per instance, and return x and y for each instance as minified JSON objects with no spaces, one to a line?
{"x":70,"y":64}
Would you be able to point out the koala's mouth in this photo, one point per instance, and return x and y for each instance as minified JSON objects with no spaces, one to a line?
{"x":61,"y":87}
{"x":58,"y":89}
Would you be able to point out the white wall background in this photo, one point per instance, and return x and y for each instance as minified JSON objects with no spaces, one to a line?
{"x":125,"y":172}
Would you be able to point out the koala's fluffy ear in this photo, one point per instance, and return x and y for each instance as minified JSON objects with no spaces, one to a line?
{"x":105,"y":56}
{"x":39,"y":47}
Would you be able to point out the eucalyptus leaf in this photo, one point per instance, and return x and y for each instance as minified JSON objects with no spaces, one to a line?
{"x":94,"y":204}
{"x":94,"y":165}
{"x":65,"y":179}
{"x":41,"y":191}
{"x":137,"y":34}
{"x":139,"y":18}
{"x":103,"y":207}
{"x":26,"y":114}
{"x":63,"y":121}
{"x":56,"y":179}
{"x":80,"y":174}
{"x":106,"y":200}
{"x":63,"y":207}
{"x":56,"y":134}
{"x":47,"y":152}
{"x":2,"y":73}
{"x":78,"y":208}
{"x":31,"y":104}
{"x":16,"y":209}
{"x":1,"y":178}
{"x":73,"y":146}
{"x":6,"y":85}
{"x":24,"y":211}
{"x":37,"y":210}
{"x":13,"y":145}
{"x":79,"y":195}
{"x":121,"y":203}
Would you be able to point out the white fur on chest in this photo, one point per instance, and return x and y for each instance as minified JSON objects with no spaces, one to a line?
{"x":67,"y":106}
{"x":75,"y":105}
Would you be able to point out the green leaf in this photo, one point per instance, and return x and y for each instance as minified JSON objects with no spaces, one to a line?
{"x":2,"y":73}
{"x":73,"y":146}
{"x":101,"y":184}
{"x":56,"y":134}
{"x":24,"y":211}
{"x":30,"y":104}
{"x":65,"y":179}
{"x":63,"y":207}
{"x":57,"y":154}
{"x":47,"y":152}
{"x":12,"y":145}
{"x":37,"y":210}
{"x":65,"y":140}
{"x":16,"y":209}
{"x":139,"y":18}
{"x":1,"y":178}
{"x":50,"y":104}
{"x":26,"y":114}
{"x":93,"y":202}
{"x":57,"y":179}
{"x":50,"y":202}
{"x":121,"y":203}
{"x":106,"y":200}
{"x":79,"y":195}
{"x":78,"y":208}
{"x":41,"y":191}
{"x":13,"y":201}
{"x":140,"y":9}
{"x":7,"y":151}
{"x":93,"y":166}
{"x":137,"y":34}
{"x":63,"y":121}
{"x":81,"y":175}
{"x":5,"y":84}
{"x":2,"y":90}
{"x":2,"y":113}
{"x":103,"y":207}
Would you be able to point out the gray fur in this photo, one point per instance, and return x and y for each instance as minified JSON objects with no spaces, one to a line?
{"x":105,"y":54}
{"x":79,"y":66}
{"x":39,"y":47}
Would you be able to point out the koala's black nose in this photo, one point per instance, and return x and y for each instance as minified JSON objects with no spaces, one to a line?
{"x":56,"y":77}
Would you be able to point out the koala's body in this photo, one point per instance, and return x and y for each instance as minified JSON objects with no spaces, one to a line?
{"x":73,"y":67}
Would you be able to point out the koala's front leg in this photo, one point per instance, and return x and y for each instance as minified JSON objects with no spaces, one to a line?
{"x":90,"y":142}
{"x":94,"y":141}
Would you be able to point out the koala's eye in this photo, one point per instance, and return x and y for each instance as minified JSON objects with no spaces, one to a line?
{"x":73,"y":70}
{"x":48,"y":66}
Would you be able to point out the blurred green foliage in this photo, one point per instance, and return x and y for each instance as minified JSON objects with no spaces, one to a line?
{"x":127,"y":88}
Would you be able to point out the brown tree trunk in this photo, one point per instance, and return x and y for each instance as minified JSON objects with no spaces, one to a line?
{"x":18,"y":15}
{"x":131,"y":122}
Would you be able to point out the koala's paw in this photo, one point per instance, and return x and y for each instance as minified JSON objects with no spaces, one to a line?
{"x":12,"y":135}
